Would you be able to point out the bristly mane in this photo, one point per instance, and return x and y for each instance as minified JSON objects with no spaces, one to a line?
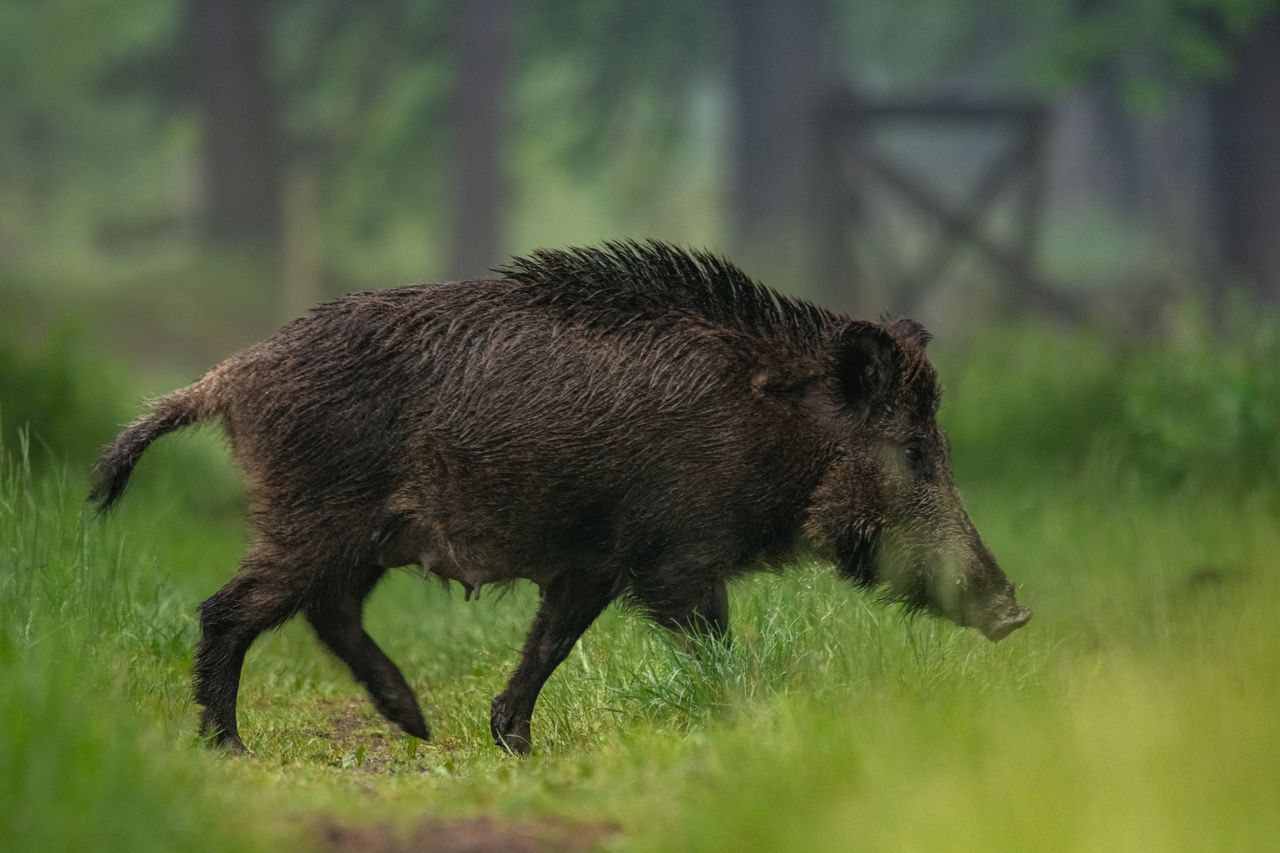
{"x":627,"y":277}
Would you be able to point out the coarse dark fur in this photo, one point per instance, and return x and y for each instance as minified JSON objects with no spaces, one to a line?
{"x":636,"y":422}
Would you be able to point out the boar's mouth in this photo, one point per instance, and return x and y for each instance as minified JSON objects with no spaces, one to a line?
{"x":998,"y":616}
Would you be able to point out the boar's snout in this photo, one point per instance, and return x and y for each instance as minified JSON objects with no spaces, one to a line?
{"x":999,"y":616}
{"x":998,"y":630}
{"x":986,"y":599}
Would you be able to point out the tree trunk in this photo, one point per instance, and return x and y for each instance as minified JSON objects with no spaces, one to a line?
{"x":779,"y":76}
{"x":1245,"y":140}
{"x":241,"y":183}
{"x":482,"y":47}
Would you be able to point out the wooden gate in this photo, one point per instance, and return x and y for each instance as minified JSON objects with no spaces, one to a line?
{"x":854,"y":170}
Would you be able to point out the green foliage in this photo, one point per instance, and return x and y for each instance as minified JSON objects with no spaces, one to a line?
{"x":626,"y":71}
{"x":66,"y":401}
{"x":64,"y":404}
{"x":1207,"y":413}
{"x":1147,"y":46}
{"x":78,"y":768}
{"x":1027,"y":402}
{"x":1036,"y":404}
{"x":363,"y":97}
{"x":76,"y":147}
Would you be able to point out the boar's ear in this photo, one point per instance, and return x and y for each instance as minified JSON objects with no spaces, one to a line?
{"x":865,"y":361}
{"x":907,"y":329}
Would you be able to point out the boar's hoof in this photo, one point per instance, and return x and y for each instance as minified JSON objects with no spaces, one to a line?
{"x":218,"y":736}
{"x":406,"y":715}
{"x":227,"y":744}
{"x":510,"y":729}
{"x":233,"y":746}
{"x":417,"y":728}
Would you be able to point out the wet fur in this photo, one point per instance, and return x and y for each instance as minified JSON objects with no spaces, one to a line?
{"x":636,"y":421}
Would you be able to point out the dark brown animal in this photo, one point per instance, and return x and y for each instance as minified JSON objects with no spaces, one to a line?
{"x":636,"y":422}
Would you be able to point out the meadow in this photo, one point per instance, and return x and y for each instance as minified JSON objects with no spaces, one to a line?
{"x":1132,"y":492}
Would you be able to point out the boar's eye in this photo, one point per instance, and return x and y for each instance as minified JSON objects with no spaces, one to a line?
{"x":912,"y":453}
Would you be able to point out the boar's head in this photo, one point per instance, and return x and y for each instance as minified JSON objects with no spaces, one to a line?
{"x":887,"y":508}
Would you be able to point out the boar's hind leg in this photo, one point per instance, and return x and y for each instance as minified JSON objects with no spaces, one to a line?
{"x":569,"y":606}
{"x":336,"y":618}
{"x":265,"y":592}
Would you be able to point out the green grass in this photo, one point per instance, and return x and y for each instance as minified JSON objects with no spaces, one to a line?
{"x":1137,"y":711}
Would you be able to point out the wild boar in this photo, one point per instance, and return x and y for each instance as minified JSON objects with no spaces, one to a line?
{"x":635,"y":422}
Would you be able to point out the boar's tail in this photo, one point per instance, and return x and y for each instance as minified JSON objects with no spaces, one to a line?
{"x":171,"y":412}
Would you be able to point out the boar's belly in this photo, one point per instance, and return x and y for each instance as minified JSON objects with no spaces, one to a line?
{"x":470,"y":574}
{"x":471,"y":566}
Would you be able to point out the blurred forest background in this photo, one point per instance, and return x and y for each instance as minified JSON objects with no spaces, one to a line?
{"x":955,"y":159}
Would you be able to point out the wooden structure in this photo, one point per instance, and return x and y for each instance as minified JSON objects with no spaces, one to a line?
{"x":854,"y":170}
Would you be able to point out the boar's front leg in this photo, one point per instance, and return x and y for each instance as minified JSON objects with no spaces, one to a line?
{"x":336,"y":617}
{"x":569,"y":605}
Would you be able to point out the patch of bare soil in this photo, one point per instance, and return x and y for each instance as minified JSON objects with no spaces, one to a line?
{"x":360,"y":740}
{"x":469,"y":835}
{"x":357,"y":732}
{"x":353,"y":730}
